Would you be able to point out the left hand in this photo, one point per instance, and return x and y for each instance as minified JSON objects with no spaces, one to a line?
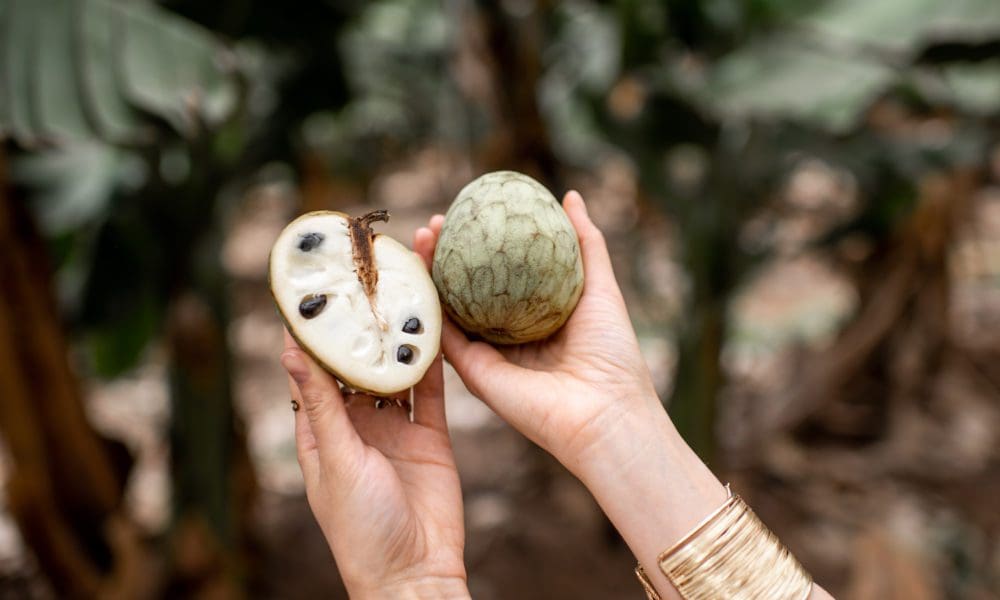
{"x":385,"y":491}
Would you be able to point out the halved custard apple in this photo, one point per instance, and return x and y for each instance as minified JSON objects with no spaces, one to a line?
{"x":360,"y":303}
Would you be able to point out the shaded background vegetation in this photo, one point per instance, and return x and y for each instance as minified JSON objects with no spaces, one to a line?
{"x":802,"y":200}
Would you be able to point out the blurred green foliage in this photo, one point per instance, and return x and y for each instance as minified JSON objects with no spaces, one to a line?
{"x":135,"y":122}
{"x":93,"y":68}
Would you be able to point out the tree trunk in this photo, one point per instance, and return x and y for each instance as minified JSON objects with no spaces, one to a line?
{"x":510,"y":47}
{"x":213,"y":480}
{"x":213,"y":548}
{"x":66,"y":481}
{"x":699,"y":376}
{"x":894,"y":346}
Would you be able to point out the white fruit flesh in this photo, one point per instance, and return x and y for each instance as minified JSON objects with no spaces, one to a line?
{"x":347,"y":336}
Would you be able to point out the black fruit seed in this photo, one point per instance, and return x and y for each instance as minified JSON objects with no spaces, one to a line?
{"x":412,"y":325}
{"x":312,"y":305}
{"x":308,"y":241}
{"x":404,"y":354}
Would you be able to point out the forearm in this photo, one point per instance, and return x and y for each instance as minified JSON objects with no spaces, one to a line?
{"x":652,"y":487}
{"x":650,"y":484}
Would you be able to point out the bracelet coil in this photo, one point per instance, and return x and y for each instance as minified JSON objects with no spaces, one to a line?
{"x":731,"y":555}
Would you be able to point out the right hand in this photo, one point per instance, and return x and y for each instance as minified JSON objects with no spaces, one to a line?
{"x":574,"y":391}
{"x":586,"y":396}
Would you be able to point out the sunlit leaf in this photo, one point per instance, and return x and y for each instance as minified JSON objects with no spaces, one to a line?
{"x":585,"y":56}
{"x":907,"y":26}
{"x":72,"y":184}
{"x":396,"y":64}
{"x":4,"y":85}
{"x":16,"y":50}
{"x":54,"y":93}
{"x":785,"y":80}
{"x":84,"y":69}
{"x":827,"y":68}
{"x":587,"y":51}
{"x":975,"y":87}
{"x":173,"y":69}
{"x":98,"y":45}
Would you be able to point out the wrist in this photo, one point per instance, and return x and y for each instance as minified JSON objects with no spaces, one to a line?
{"x":423,"y":588}
{"x":648,"y":465}
{"x":649,"y":483}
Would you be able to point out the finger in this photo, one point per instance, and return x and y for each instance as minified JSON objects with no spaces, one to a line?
{"x":305,"y":441}
{"x":428,"y":398}
{"x":485,"y":371}
{"x":596,"y":260}
{"x":435,"y":225}
{"x":423,"y":244}
{"x":428,"y":394}
{"x":335,"y":438}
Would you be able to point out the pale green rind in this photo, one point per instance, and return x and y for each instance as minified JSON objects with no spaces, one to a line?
{"x":507,"y":264}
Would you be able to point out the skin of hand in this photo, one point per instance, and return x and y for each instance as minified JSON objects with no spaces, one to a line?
{"x":585,"y":395}
{"x":385,"y":491}
{"x":570,"y":392}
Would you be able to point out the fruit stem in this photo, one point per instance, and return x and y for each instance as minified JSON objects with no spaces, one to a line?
{"x":362,"y":238}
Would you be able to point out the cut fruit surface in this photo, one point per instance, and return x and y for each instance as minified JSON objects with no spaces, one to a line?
{"x":363,"y":305}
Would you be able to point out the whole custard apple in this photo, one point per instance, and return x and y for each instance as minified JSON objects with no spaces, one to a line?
{"x":507,"y":264}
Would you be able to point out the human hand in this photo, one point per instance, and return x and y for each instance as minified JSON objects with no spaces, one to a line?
{"x":585,"y":395}
{"x":572,"y":391}
{"x":385,"y":491}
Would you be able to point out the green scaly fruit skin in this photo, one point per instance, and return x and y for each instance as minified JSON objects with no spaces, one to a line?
{"x":507,"y":264}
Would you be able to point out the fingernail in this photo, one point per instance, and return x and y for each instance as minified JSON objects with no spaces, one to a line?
{"x":295,"y":366}
{"x":579,"y":198}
